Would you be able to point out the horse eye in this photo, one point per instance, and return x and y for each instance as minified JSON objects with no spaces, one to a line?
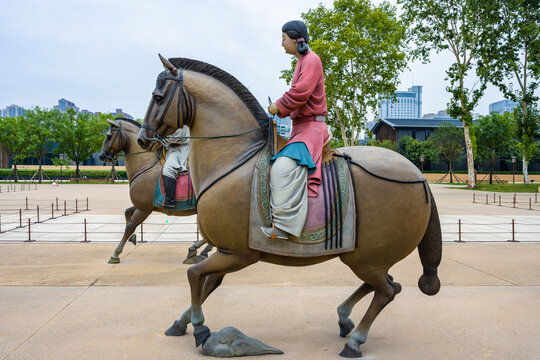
{"x":158,"y":98}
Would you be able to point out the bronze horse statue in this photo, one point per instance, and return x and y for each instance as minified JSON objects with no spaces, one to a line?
{"x":229,"y":129}
{"x":143,"y":168}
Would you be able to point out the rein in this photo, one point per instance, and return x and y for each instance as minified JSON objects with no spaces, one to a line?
{"x":217,"y":136}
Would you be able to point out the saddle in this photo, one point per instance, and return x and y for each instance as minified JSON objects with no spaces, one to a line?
{"x":330,"y":226}
{"x":185,"y":196}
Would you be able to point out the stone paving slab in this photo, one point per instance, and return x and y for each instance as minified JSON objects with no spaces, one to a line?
{"x":128,"y":322}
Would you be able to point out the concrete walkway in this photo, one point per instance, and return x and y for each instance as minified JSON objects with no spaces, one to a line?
{"x":63,"y":301}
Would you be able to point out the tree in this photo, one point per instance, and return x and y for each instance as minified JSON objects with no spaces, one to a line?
{"x":362,"y":49}
{"x":512,"y":52}
{"x":447,"y":140}
{"x":527,"y":125}
{"x":387,"y":144}
{"x":413,"y":149}
{"x":457,"y":26}
{"x":38,"y":128}
{"x":494,"y":136}
{"x":14,"y":141}
{"x":80,"y":135}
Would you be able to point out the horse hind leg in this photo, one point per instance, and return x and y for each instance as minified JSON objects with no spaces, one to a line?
{"x":385,"y":291}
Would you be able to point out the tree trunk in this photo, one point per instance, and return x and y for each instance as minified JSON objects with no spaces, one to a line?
{"x":40,"y":172}
{"x":525,"y":170}
{"x":491,"y":165}
{"x":450,"y":172}
{"x":470,"y":158}
{"x":77,"y":173}
{"x":15,"y":173}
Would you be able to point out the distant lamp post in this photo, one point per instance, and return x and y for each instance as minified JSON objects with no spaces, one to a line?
{"x":422,"y":163}
{"x":513,"y":169}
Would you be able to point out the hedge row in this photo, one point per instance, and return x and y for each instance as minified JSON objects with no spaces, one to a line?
{"x":66,"y":173}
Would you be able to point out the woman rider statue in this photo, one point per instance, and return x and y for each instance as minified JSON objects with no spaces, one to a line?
{"x":296,"y":170}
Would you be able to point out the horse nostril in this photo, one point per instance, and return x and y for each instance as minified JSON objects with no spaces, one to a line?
{"x":141,"y":142}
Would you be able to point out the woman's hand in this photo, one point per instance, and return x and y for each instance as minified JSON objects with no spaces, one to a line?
{"x":273,"y":109}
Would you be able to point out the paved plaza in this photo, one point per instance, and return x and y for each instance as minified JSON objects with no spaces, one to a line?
{"x":61,"y":300}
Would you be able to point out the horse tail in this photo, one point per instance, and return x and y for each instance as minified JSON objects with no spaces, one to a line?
{"x":430,"y":251}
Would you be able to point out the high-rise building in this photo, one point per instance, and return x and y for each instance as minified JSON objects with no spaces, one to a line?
{"x":121,"y":113}
{"x":500,"y":107}
{"x":405,"y":105}
{"x":64,"y":104}
{"x":12,"y":111}
{"x":284,"y":126}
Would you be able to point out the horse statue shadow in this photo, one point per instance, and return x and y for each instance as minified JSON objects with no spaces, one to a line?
{"x":395,"y":210}
{"x":143,"y":168}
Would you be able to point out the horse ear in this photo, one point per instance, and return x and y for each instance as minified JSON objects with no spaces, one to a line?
{"x":167,"y":64}
{"x":113,"y":124}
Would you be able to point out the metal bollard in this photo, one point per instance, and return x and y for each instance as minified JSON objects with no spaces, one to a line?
{"x":29,"y":233}
{"x":473,"y":198}
{"x":513,"y":231}
{"x":76,"y":206}
{"x":494,"y":197}
{"x":52,"y":210}
{"x":530,"y":204}
{"x":26,"y":203}
{"x":142,"y":232}
{"x":64,"y":207}
{"x":499,"y":200}
{"x":85,"y":233}
{"x":487,"y":199}
{"x":37,"y":211}
{"x":459,"y":232}
{"x":86,"y":204}
{"x":56,"y":203}
{"x":20,"y":217}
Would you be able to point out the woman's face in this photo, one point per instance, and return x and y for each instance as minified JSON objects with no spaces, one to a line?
{"x":290,"y":45}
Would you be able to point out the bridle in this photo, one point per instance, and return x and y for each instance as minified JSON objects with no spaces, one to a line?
{"x":180,"y":107}
{"x":116,"y":132}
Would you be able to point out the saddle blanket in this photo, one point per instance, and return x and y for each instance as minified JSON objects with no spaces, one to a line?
{"x":330,"y":226}
{"x":185,"y":197}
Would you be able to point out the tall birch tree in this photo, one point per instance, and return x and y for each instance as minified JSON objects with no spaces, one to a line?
{"x":456,"y":26}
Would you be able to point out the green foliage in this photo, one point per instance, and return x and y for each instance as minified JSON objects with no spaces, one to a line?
{"x":447,"y":140}
{"x":80,"y":135}
{"x":495,"y":137}
{"x":413,"y":149}
{"x":526,"y":127}
{"x":387,"y":144}
{"x":66,"y":173}
{"x":362,"y":49}
{"x":13,"y":138}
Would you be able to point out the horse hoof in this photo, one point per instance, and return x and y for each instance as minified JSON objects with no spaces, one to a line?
{"x":201,"y":333}
{"x":350,"y":352}
{"x":177,"y":329}
{"x":345,"y":327}
{"x":133,"y":239}
{"x":114,"y":260}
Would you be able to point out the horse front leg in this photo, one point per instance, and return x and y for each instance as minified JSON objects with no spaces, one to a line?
{"x":385,"y":291}
{"x":134,"y":217}
{"x":179,"y":327}
{"x":220,"y":263}
{"x":345,"y":308}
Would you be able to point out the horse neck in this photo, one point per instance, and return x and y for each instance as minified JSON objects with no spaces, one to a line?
{"x":136,"y":157}
{"x":219,"y":111}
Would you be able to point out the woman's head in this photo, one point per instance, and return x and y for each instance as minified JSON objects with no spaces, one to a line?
{"x":296,"y":31}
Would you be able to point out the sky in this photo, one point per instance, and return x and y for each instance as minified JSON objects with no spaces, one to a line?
{"x":103,"y":54}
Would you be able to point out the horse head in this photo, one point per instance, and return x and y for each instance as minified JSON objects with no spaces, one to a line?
{"x":168,"y":106}
{"x":114,"y":142}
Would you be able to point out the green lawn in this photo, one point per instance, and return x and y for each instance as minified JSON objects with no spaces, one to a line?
{"x":510,"y":188}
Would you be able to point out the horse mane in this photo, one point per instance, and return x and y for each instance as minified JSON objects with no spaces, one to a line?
{"x":227,"y":79}
{"x":136,"y":123}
